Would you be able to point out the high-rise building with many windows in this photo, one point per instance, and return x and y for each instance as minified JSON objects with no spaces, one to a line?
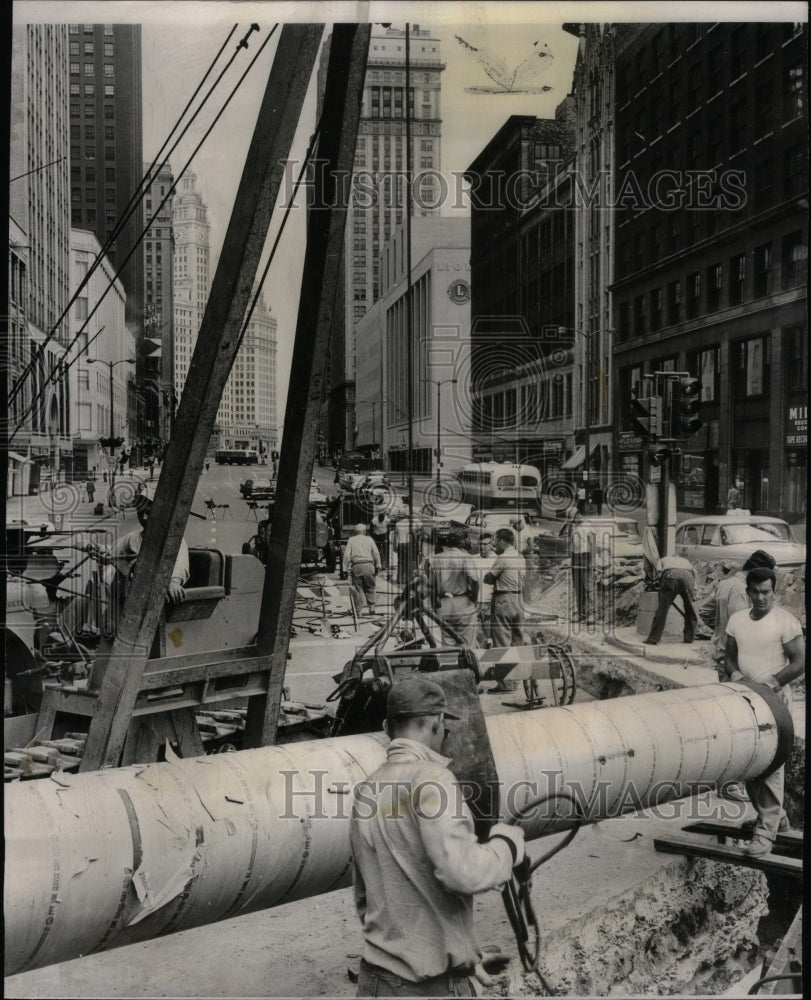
{"x":191,"y":273}
{"x":381,"y":200}
{"x":157,"y":391}
{"x":106,"y":157}
{"x":39,"y":405}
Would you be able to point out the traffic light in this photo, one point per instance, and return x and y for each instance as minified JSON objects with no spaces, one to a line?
{"x":646,"y":415}
{"x":658,"y":456}
{"x":688,"y":404}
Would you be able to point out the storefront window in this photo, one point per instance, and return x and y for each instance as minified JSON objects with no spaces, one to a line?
{"x":796,"y":480}
{"x":751,"y":367}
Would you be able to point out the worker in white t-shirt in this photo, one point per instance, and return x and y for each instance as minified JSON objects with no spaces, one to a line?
{"x":765,"y":644}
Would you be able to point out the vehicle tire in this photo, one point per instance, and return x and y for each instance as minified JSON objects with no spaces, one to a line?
{"x":330,"y":557}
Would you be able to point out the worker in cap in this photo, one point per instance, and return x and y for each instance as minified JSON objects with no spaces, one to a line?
{"x":453,"y":586}
{"x":417,"y":861}
{"x":361,"y":563}
{"x":759,"y":560}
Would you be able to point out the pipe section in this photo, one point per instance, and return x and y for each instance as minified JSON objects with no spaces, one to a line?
{"x":108,"y":858}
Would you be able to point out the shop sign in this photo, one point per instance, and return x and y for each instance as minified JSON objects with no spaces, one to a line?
{"x":628,"y":441}
{"x":797,"y":426}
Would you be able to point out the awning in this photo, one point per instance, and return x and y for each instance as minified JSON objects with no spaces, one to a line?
{"x":15,"y":457}
{"x":576,"y":460}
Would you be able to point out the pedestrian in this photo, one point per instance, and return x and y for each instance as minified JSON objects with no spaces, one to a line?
{"x":597,"y":498}
{"x":506,"y":576}
{"x":676,"y":579}
{"x":361,"y":563}
{"x":90,"y":486}
{"x":733,"y":497}
{"x":417,"y":862}
{"x":482,"y":564}
{"x":765,"y":644}
{"x":406,"y":551}
{"x":380,"y":535}
{"x":581,"y":499}
{"x":583,"y":552}
{"x":454,"y":588}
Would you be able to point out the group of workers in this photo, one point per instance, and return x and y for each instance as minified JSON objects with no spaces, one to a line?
{"x":417,"y":862}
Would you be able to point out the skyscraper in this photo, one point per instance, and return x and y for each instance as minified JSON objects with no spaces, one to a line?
{"x":380,"y":165}
{"x":191,"y":273}
{"x":157,"y":388}
{"x":106,"y":143}
{"x":40,"y":209}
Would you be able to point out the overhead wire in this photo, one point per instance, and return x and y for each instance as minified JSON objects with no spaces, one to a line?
{"x":156,"y":213}
{"x":135,"y":199}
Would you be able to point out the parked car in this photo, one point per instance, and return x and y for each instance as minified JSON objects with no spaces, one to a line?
{"x":737,"y":536}
{"x":258,"y":489}
{"x":620,"y":535}
{"x":319,"y":542}
{"x":491,"y":519}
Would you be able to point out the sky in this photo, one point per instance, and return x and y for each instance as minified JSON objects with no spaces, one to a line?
{"x":180,"y":39}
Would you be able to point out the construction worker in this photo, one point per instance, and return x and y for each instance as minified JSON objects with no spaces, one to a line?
{"x":417,"y":861}
{"x":676,"y":579}
{"x":765,"y":644}
{"x":583,"y":551}
{"x":482,"y":563}
{"x":454,"y":587}
{"x":506,"y":576}
{"x":361,"y":563}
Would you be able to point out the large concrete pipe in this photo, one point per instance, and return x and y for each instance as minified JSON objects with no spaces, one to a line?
{"x":98,"y":860}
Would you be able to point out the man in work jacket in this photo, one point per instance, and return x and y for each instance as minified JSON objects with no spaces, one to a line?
{"x":454,"y":588}
{"x":417,"y":861}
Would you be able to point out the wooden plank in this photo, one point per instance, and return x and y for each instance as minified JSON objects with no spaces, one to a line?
{"x":121,"y":667}
{"x":789,"y":957}
{"x":775,"y":863}
{"x":318,"y":305}
{"x":789,"y":841}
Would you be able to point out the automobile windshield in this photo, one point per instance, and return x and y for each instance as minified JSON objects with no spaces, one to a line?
{"x":737,"y":534}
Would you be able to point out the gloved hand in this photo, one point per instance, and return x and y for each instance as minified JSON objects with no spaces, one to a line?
{"x":514,"y":836}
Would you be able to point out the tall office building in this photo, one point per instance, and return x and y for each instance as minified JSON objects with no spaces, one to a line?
{"x":247,"y":414}
{"x":156,"y":391}
{"x":106,"y":143}
{"x":712,"y":259}
{"x":380,"y":165}
{"x":40,"y":209}
{"x":191,"y":273}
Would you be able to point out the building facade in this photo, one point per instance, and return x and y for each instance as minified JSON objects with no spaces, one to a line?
{"x":191,"y":279}
{"x":102,"y":376}
{"x":522,"y":278}
{"x":156,"y":391}
{"x":593,"y":92}
{"x":39,"y":204}
{"x":712,"y":247}
{"x":247,"y":414}
{"x":380,"y":198}
{"x":440,"y":415}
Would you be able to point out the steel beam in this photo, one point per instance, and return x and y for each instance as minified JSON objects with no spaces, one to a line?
{"x":93,"y":861}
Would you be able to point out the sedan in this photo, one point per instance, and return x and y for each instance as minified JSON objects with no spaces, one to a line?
{"x":737,"y":536}
{"x":490,"y":520}
{"x":258,"y":489}
{"x":620,"y":535}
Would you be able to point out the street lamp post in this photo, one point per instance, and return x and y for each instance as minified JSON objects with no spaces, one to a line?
{"x":439,"y":383}
{"x":112,"y":442}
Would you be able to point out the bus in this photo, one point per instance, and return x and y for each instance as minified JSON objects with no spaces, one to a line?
{"x":497,"y":484}
{"x":236,"y":456}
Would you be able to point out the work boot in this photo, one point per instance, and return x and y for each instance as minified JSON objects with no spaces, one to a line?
{"x":758,"y":846}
